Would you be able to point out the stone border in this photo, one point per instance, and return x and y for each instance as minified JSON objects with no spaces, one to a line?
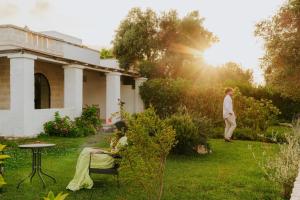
{"x":296,"y":190}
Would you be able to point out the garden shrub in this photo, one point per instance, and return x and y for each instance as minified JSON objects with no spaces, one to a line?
{"x":60,"y":126}
{"x":277,"y":134}
{"x":255,"y":114}
{"x":165,"y":95}
{"x":188,"y":134}
{"x":150,"y":140}
{"x":208,"y":101}
{"x":168,"y":96}
{"x":284,"y":167}
{"x":87,"y":124}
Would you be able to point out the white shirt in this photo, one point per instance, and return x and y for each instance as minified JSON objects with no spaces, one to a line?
{"x":227,"y":106}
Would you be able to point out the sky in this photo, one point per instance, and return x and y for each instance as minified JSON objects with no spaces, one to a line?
{"x":95,"y":22}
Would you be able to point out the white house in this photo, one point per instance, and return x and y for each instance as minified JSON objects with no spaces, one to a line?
{"x":45,"y":72}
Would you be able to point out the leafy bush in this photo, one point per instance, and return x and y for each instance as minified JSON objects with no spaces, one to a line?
{"x":255,"y":114}
{"x":150,"y":140}
{"x":165,"y":95}
{"x":60,"y":126}
{"x":208,"y":101}
{"x":60,"y":196}
{"x":188,"y":134}
{"x":87,"y":124}
{"x":283,"y":168}
{"x":277,"y":134}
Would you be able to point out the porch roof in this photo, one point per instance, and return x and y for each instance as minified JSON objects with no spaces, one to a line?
{"x":15,"y":39}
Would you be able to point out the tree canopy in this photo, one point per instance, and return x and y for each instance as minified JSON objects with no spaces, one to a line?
{"x":281,"y":61}
{"x":165,"y":43}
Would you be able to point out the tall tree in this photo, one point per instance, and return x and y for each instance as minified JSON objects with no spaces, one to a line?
{"x":136,"y":38}
{"x":166,"y":43}
{"x":281,"y":61}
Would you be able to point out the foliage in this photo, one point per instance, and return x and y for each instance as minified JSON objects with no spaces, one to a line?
{"x":60,"y":196}
{"x":2,"y":158}
{"x":87,"y":124}
{"x":165,"y":95}
{"x":289,"y":108}
{"x":283,"y":168}
{"x":106,"y":53}
{"x":60,"y":126}
{"x":150,"y":140}
{"x":208,"y":101}
{"x":167,"y":41}
{"x":89,"y":121}
{"x":135,"y":38}
{"x":255,"y":114}
{"x":188,"y":134}
{"x":281,"y":61}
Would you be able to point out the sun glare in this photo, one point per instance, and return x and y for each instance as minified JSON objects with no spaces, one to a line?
{"x":215,"y":56}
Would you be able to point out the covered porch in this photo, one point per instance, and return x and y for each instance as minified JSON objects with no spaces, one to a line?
{"x":34,"y":87}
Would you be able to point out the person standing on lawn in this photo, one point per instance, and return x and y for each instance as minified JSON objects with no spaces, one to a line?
{"x":228,"y":115}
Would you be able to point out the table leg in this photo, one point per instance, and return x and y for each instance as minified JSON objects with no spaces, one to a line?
{"x":33,"y":170}
{"x":40,"y":168}
{"x":34,"y":159}
{"x":37,"y":168}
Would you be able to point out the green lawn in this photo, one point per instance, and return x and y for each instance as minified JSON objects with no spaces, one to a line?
{"x":230,"y":172}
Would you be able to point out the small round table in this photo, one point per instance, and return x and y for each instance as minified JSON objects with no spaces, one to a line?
{"x":36,"y":162}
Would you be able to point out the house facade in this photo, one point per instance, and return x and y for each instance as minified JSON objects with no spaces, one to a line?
{"x":46,"y":72}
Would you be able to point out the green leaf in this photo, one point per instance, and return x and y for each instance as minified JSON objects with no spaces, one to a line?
{"x":51,"y":195}
{"x":61,"y":196}
{"x":2,"y":157}
{"x":2,"y":147}
{"x":2,"y":182}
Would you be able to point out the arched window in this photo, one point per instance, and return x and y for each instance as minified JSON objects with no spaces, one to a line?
{"x":41,"y":92}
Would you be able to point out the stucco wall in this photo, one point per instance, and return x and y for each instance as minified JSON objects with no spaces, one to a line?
{"x":4,"y":84}
{"x":55,"y":76}
{"x":94,"y":90}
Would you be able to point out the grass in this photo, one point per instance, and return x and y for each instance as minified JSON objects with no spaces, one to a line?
{"x":230,"y":172}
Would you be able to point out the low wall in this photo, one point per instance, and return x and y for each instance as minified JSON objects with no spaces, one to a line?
{"x":33,"y":126}
{"x":6,"y":123}
{"x":296,"y":190}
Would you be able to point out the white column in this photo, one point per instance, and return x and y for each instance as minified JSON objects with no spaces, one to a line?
{"x":22,"y":92}
{"x":138,"y":102}
{"x":73,"y":86}
{"x":113,"y":96}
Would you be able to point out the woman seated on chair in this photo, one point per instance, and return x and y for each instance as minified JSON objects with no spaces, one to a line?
{"x":100,"y":159}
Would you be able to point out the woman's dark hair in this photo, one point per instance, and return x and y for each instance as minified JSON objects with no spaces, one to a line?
{"x":121,"y":126}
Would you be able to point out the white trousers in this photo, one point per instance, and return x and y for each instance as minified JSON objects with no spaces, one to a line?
{"x":230,"y":125}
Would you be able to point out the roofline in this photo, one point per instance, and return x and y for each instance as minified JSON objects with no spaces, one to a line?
{"x":47,"y":36}
{"x":70,"y":61}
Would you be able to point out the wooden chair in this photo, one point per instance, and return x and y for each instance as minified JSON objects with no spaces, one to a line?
{"x":111,"y":171}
